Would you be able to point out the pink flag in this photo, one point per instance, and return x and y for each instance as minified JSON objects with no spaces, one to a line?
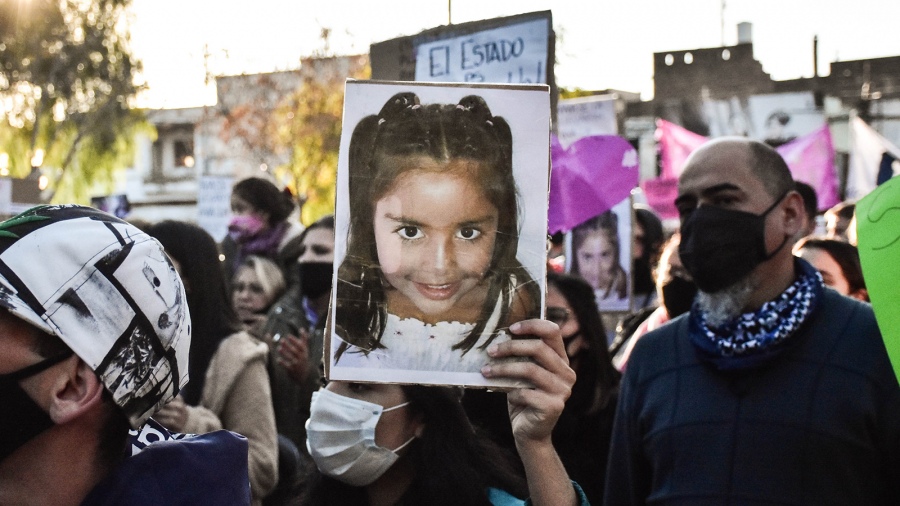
{"x":661,"y":193}
{"x":675,"y":144}
{"x":811,"y":160}
{"x":589,"y":178}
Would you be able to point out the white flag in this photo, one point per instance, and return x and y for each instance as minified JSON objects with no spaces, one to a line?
{"x":867,"y":149}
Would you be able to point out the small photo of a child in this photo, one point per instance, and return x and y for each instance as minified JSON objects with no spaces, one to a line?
{"x":441,"y":224}
{"x":600,"y":254}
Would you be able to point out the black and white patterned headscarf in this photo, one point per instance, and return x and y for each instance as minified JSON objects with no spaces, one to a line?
{"x":753,"y":338}
{"x":108,"y":291}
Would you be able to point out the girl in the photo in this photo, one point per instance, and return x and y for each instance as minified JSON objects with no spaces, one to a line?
{"x":431,"y":270}
{"x":596,"y":260}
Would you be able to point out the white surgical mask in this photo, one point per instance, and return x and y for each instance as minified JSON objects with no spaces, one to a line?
{"x":340,"y":437}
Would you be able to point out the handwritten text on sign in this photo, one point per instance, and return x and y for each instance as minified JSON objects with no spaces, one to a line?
{"x":586,"y":116}
{"x":512,"y":54}
{"x":214,"y":205}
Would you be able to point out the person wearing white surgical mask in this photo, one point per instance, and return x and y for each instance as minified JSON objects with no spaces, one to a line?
{"x":384,"y":444}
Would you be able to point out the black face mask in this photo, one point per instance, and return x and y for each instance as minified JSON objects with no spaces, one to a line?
{"x":315,"y":278}
{"x":721,"y":246}
{"x":22,"y":419}
{"x":678,"y":295}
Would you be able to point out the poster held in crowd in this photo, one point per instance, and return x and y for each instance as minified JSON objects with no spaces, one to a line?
{"x":508,"y":54}
{"x":440,"y":233}
{"x":214,"y":205}
{"x":585,"y":116}
{"x":878,"y":233}
{"x":599,"y":250}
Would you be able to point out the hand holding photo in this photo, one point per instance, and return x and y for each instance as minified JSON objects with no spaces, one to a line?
{"x":431,"y":267}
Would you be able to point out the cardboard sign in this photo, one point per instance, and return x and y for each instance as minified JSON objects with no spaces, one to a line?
{"x":510,"y":54}
{"x":878,"y":234}
{"x":440,"y":239}
{"x":584,"y":117}
{"x":214,"y":205}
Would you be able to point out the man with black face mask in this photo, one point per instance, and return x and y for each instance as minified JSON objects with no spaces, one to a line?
{"x":772,"y":389}
{"x":295,"y":332}
{"x":94,"y":338}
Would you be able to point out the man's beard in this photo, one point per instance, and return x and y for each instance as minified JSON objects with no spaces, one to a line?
{"x":727,"y":304}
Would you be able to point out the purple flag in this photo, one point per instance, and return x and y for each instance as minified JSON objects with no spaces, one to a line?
{"x":811,"y":160}
{"x":589,"y":178}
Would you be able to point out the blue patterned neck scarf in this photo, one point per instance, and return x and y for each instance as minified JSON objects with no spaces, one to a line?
{"x":754,"y":338}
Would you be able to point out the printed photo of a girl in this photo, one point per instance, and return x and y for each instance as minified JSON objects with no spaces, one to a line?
{"x":432,"y":272}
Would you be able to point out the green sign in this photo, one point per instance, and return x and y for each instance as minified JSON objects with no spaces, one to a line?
{"x":878,"y":236}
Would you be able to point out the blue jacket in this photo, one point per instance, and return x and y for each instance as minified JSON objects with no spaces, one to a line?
{"x":819,"y":425}
{"x":178,"y":471}
{"x":502,"y":498}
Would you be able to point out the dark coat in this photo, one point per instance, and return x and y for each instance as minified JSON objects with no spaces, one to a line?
{"x":819,"y":425}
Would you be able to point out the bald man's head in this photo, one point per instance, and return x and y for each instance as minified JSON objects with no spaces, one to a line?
{"x":764,"y":162}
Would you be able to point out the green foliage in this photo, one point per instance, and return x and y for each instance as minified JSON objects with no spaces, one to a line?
{"x":308,"y":125}
{"x":291,"y":122}
{"x":66,"y":85}
{"x":575,"y":93}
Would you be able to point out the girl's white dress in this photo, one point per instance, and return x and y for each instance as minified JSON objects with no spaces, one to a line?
{"x":412,"y":344}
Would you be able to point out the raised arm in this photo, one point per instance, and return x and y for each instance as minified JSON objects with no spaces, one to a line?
{"x":533,"y":412}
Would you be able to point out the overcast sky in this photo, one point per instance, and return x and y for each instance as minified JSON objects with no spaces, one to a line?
{"x":601,"y":44}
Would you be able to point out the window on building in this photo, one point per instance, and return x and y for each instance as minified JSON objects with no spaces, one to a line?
{"x":184,"y":153}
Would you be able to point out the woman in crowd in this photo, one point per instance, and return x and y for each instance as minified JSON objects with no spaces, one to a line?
{"x":383,"y":444}
{"x":259,"y":224}
{"x":257,"y":284}
{"x":294,"y":332}
{"x":229,"y":385}
{"x":583,"y":432}
{"x":675,"y":290}
{"x":648,"y":239}
{"x":837,"y":221}
{"x":838,"y":262}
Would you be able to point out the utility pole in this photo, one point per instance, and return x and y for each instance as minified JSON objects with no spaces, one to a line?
{"x":449,"y":9}
{"x":722,"y":22}
{"x":815,"y":56}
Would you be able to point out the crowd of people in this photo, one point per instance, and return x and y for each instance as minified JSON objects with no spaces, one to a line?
{"x":749,"y":371}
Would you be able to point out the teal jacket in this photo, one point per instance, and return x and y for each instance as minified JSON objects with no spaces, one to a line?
{"x":501,"y":498}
